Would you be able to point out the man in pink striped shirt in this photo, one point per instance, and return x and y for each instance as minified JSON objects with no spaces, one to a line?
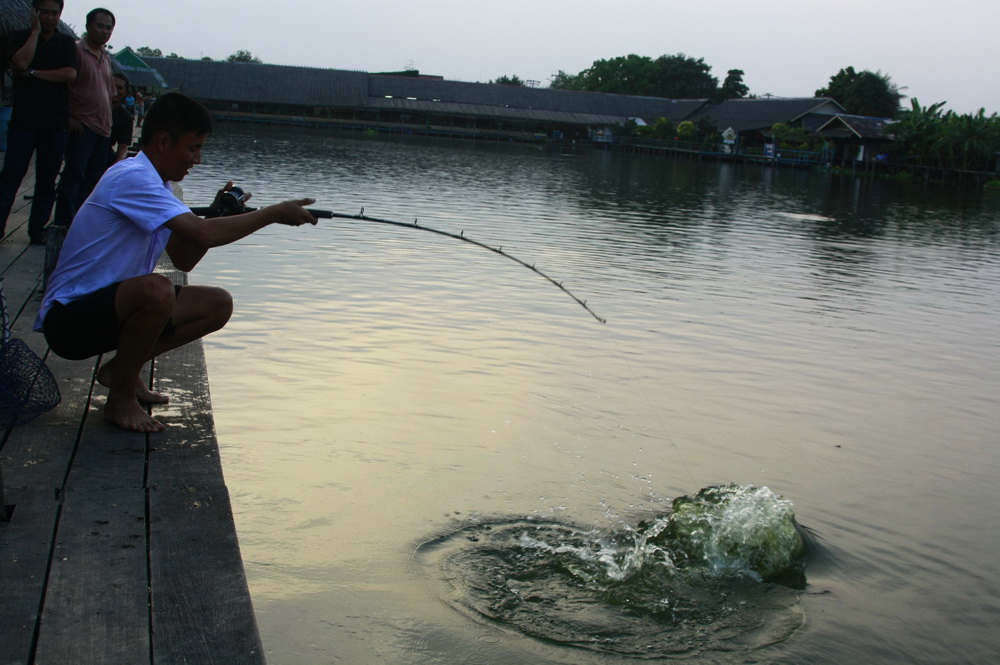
{"x":90,"y":117}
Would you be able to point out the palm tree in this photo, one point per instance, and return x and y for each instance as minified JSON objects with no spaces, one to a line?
{"x":919,"y":131}
{"x":970,"y":139}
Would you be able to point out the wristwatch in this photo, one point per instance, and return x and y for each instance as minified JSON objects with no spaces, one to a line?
{"x":31,"y":72}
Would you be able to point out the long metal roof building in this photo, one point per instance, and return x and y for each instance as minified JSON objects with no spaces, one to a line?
{"x":218,"y":81}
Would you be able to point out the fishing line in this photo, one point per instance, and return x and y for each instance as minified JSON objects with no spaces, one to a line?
{"x":652,"y":408}
{"x":460,"y":236}
{"x":230,"y":202}
{"x":499,"y":250}
{"x":361,"y":216}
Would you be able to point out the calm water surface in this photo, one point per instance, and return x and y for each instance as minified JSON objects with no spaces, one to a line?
{"x":835,"y":340}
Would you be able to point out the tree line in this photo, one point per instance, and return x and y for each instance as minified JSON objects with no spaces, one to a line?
{"x":239,"y":56}
{"x":921,"y":135}
{"x":929,"y":136}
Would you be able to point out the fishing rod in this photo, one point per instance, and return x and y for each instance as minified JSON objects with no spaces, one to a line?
{"x":361,"y":216}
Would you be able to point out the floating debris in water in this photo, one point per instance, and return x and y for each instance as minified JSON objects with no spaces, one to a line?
{"x":719,"y":574}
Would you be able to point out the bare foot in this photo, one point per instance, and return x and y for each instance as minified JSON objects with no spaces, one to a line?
{"x":129,"y":415}
{"x":142,"y":393}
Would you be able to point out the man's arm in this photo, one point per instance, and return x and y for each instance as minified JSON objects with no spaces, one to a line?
{"x":61,"y":75}
{"x":191,"y":236}
{"x":122,"y":151}
{"x":21,"y":59}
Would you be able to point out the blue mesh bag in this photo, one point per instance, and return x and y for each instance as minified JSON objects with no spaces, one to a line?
{"x":27,"y":387}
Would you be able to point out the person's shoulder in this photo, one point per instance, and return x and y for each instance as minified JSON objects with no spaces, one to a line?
{"x":65,"y":42}
{"x":60,"y":38}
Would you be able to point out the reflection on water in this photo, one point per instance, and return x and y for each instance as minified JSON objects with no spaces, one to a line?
{"x":833,"y":339}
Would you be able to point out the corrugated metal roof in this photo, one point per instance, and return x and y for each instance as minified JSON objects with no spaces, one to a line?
{"x":143,"y":77}
{"x":499,"y":112}
{"x":306,"y":86}
{"x":544,"y":99}
{"x":264,"y":84}
{"x":863,"y":127}
{"x":760,"y":114}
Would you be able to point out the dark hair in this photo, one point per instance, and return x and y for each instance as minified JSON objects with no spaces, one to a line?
{"x":176,"y":114}
{"x":35,"y":3}
{"x":121,"y":75}
{"x":94,"y":12}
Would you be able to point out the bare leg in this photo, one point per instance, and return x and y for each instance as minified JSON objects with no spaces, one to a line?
{"x":142,"y":392}
{"x":144,"y":305}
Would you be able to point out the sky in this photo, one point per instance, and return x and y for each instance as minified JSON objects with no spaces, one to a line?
{"x":935,"y":52}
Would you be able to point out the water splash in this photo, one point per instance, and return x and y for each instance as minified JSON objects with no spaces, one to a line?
{"x":717,"y":575}
{"x":735,"y":531}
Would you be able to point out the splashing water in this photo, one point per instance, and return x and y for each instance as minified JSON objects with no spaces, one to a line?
{"x":736,"y":531}
{"x":716,"y":575}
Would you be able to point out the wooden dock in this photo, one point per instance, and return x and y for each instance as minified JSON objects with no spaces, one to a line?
{"x":119,"y":547}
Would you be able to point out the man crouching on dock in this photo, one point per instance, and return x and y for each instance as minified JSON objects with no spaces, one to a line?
{"x":103,"y":294}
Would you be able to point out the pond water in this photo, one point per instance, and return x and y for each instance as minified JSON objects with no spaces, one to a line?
{"x":407,"y":421}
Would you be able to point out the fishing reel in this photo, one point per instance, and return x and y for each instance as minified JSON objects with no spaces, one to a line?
{"x":228,"y":202}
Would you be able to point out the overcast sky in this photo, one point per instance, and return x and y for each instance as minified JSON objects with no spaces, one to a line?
{"x":936,"y":52}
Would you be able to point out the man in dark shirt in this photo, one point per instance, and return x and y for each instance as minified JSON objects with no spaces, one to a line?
{"x":121,"y":122}
{"x":43,"y":61}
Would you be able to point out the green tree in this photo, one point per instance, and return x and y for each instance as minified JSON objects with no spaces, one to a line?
{"x":733,"y":87}
{"x":508,"y":80}
{"x":682,"y":77}
{"x":917,"y":132}
{"x":150,"y":52}
{"x":970,"y":141}
{"x":708,"y":131}
{"x":564,"y":81}
{"x":663,"y":129}
{"x":243,"y":56}
{"x":687,"y":131}
{"x":625,"y":75}
{"x":864,"y":93}
{"x":671,"y":76}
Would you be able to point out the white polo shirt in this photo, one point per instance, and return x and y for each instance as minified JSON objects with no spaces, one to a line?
{"x":117,"y":234}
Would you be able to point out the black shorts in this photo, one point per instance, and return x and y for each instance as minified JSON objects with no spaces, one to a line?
{"x":88,"y":326}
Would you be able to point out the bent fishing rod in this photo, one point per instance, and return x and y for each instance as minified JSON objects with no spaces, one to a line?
{"x":361,"y":216}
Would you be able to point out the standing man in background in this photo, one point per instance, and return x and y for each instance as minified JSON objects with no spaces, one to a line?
{"x":90,"y":116}
{"x":43,"y":61}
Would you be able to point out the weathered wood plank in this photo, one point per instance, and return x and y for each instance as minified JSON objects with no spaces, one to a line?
{"x":202,"y":612}
{"x":107,"y":457}
{"x":187,"y":452}
{"x":97,"y":599}
{"x":25,"y":545}
{"x":38,"y":456}
{"x":107,"y":523}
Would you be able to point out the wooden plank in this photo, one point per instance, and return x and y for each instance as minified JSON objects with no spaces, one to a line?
{"x":106,"y":566}
{"x":25,"y":545}
{"x":200,"y":600}
{"x":97,"y":599}
{"x":38,"y":455}
{"x":187,"y":452}
{"x":202,"y":612}
{"x":107,"y":457}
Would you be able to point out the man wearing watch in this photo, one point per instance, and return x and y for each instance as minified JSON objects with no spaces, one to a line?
{"x":43,"y":61}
